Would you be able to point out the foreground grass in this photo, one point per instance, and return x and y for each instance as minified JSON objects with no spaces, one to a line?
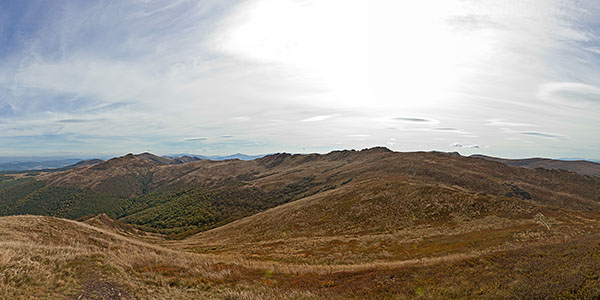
{"x":49,"y":258}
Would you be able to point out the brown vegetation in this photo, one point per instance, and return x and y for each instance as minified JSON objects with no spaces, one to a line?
{"x":582,"y":167}
{"x":369,"y":224}
{"x":47,"y":258}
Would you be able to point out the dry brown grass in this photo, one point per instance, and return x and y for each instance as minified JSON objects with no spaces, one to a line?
{"x":375,"y":225}
{"x":580,"y":166}
{"x":48,"y":258}
{"x":389,"y":220}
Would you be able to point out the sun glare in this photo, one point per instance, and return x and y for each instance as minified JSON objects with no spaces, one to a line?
{"x":402,"y":54}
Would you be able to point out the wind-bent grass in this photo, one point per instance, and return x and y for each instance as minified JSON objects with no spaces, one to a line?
{"x":49,"y":258}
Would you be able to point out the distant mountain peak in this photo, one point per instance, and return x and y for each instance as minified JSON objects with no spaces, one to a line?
{"x":239,"y":156}
{"x":378,"y":149}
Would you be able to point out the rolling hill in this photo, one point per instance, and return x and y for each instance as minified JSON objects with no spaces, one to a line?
{"x":429,"y":205}
{"x":184,"y":197}
{"x":347,"y":224}
{"x":583,"y":167}
{"x":50,"y":258}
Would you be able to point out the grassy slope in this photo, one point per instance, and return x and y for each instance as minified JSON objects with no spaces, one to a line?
{"x":367,"y":225}
{"x":580,"y":166}
{"x":409,"y":206}
{"x":151,"y":195}
{"x":198,"y":208}
{"x":48,"y":258}
{"x":183,"y":199}
{"x":384,"y":221}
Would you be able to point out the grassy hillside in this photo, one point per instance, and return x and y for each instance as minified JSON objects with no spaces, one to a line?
{"x":201,"y":208}
{"x":383,"y":221}
{"x":181,"y":198}
{"x":583,"y":167}
{"x":369,"y":224}
{"x":48,"y":258}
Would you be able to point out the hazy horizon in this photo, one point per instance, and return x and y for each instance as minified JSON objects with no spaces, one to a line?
{"x":105,"y":156}
{"x":501,"y":78}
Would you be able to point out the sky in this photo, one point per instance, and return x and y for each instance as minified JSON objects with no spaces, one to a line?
{"x":498,"y":77}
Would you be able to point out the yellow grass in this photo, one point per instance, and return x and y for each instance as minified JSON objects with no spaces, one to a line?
{"x":49,"y":258}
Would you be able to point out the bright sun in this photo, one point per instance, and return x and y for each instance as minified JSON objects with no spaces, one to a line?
{"x":364,"y":53}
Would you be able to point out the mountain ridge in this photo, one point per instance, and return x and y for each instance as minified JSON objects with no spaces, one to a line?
{"x":584,"y":167}
{"x":368,"y":224}
{"x":158,"y":193}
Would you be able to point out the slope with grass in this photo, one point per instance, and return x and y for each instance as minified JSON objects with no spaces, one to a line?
{"x":390,"y":220}
{"x":49,"y":258}
{"x":371,"y":224}
{"x":583,"y":167}
{"x":181,"y":198}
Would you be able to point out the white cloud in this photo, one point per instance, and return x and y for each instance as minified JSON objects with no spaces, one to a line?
{"x":253,"y":70}
{"x":191,"y":139}
{"x":320,"y":118}
{"x":594,"y":50}
{"x":569,"y":93}
{"x":418,"y":120}
{"x":392,"y":142}
{"x":358,"y":135}
{"x":502,"y":123}
{"x":545,"y":135}
{"x":459,"y":145}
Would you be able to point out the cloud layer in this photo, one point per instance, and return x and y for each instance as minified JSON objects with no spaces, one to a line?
{"x":220,"y":77}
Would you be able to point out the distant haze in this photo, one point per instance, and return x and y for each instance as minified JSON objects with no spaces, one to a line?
{"x":503,"y":78}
